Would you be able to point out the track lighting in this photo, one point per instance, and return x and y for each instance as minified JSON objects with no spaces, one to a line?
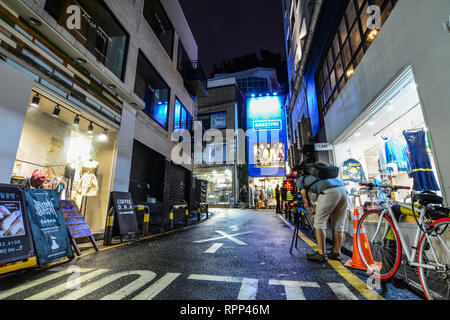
{"x":76,"y":121}
{"x":35,"y":101}
{"x":104,"y":136}
{"x":91,"y":128}
{"x":57,"y":111}
{"x":35,"y":22}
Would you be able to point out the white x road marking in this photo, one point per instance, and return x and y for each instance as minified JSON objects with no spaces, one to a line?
{"x":227,"y":236}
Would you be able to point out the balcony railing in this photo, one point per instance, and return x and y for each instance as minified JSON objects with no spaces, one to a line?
{"x":194,"y":77}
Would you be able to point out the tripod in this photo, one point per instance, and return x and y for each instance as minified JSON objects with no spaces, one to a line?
{"x":301,"y":219}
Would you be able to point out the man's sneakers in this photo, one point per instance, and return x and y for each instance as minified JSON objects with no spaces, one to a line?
{"x":334,"y":256}
{"x":317,"y":257}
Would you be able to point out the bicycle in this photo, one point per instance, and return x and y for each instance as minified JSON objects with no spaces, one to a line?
{"x":430,"y":251}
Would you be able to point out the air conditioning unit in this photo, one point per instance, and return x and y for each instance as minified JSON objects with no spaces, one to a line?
{"x":305,"y":136}
{"x":294,"y":156}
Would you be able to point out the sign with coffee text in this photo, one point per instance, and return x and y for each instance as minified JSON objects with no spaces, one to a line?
{"x":125,"y":214}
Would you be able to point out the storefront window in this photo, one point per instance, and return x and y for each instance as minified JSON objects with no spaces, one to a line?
{"x":100,"y":32}
{"x":75,"y":163}
{"x":151,"y":88}
{"x":391,"y":147}
{"x":220,"y":186}
{"x":269,"y":155}
{"x":266,"y":188}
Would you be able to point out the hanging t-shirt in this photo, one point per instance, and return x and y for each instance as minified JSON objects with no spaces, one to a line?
{"x":353,"y":171}
{"x":392,"y":153}
{"x":396,"y":153}
{"x":422,"y":170}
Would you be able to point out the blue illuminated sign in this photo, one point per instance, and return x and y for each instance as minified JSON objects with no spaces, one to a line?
{"x":267,"y":145}
{"x":267,"y":125}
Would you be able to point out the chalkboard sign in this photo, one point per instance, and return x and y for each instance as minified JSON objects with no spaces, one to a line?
{"x":76,"y":225}
{"x":47,"y":223}
{"x":16,"y":242}
{"x":125,"y":214}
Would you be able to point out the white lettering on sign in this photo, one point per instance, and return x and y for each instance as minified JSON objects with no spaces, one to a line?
{"x":45,"y":208}
{"x":323,"y":147}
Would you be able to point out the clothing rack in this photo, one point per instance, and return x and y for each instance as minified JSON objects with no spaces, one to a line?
{"x":399,"y":118}
{"x":40,"y":165}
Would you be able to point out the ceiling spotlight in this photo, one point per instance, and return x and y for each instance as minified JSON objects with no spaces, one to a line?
{"x":35,"y":22}
{"x":76,"y":121}
{"x":35,"y":101}
{"x":81,"y":61}
{"x":104,"y":136}
{"x":57,"y":111}
{"x":91,"y":128}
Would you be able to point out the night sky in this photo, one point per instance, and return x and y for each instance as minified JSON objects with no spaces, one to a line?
{"x":230,"y":28}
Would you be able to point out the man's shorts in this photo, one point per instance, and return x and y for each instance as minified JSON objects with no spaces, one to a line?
{"x":332,"y":206}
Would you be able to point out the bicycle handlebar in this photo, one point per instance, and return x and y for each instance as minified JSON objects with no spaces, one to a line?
{"x":372,"y":186}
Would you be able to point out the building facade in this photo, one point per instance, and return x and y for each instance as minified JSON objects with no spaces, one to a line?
{"x":222,"y":110}
{"x":373,"y":89}
{"x":92,"y":92}
{"x":254,"y":81}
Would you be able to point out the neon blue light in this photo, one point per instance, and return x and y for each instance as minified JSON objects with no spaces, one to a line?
{"x":160,"y":114}
{"x":265,"y":115}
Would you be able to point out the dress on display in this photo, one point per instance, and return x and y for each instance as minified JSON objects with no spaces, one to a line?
{"x":422,"y":170}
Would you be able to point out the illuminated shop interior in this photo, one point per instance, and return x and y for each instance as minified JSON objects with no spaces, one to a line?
{"x":74,"y":151}
{"x":220,"y":186}
{"x":371,"y":139}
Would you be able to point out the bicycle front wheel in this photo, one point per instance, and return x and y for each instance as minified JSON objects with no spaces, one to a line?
{"x":434,"y":252}
{"x":378,"y":244}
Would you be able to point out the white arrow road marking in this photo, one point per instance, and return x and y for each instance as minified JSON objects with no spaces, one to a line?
{"x":37,"y":282}
{"x":224,"y":235}
{"x":341,"y":291}
{"x":293,"y":289}
{"x":157,"y":287}
{"x":214,"y":248}
{"x":248,"y":288}
{"x":62,"y":287}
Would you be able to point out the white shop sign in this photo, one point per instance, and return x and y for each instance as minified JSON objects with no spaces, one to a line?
{"x":323,"y":147}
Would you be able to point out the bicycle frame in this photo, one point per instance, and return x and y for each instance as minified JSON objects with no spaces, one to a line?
{"x":410,"y":254}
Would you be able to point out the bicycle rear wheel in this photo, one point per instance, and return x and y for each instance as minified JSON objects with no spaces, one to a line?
{"x":435,"y":283}
{"x":379,"y":245}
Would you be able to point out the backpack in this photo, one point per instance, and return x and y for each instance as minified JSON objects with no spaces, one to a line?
{"x":322,"y":171}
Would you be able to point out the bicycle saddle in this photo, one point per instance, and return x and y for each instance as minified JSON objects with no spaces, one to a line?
{"x":428,"y":198}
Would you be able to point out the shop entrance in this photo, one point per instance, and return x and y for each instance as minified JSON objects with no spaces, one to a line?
{"x":68,"y":151}
{"x":267,"y":185}
{"x":390,"y":145}
{"x":220,"y":186}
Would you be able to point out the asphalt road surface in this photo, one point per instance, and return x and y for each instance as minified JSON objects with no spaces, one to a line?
{"x":235,"y":255}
